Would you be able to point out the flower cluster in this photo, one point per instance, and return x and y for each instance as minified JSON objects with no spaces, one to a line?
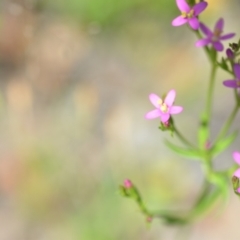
{"x":206,"y":149}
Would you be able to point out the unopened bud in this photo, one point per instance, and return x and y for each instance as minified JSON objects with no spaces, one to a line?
{"x":149,"y":219}
{"x":235,"y":183}
{"x":229,"y":53}
{"x":128,"y":183}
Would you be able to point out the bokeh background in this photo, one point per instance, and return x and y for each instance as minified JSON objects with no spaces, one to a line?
{"x":75,"y":77}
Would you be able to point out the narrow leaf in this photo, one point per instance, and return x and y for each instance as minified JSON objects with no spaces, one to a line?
{"x":188,"y":153}
{"x":222,"y":144}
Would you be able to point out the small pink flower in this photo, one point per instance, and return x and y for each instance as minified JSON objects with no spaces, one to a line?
{"x":189,"y":14}
{"x":214,"y":37}
{"x":165,"y":108}
{"x":234,"y":83}
{"x":236,"y":157}
{"x":128,"y":183}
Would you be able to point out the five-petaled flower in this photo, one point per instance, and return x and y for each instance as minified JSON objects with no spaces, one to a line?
{"x":214,"y":37}
{"x":164,"y":108}
{"x":234,"y":83}
{"x":189,"y":14}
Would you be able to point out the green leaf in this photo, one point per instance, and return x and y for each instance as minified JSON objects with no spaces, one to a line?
{"x":222,"y":144}
{"x":222,"y":182}
{"x":188,"y":153}
{"x":224,"y":64}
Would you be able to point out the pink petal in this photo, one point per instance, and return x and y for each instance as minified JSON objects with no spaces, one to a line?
{"x":183,"y":6}
{"x":178,"y":21}
{"x":236,"y":157}
{"x":236,"y":69}
{"x":153,"y":114}
{"x":165,"y":117}
{"x":227,"y":36}
{"x":219,"y":24}
{"x":205,"y":29}
{"x":238,"y":190}
{"x":176,"y":109}
{"x":237,"y":173}
{"x":155,"y":99}
{"x":218,"y":46}
{"x":202,"y":42}
{"x":194,"y":23}
{"x":169,"y":99}
{"x":230,"y":83}
{"x":199,"y":7}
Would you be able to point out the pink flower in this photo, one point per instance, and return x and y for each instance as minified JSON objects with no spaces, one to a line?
{"x":234,"y":83}
{"x":128,"y":183}
{"x":189,"y":14}
{"x":214,"y":37}
{"x":236,"y":157}
{"x":165,"y":108}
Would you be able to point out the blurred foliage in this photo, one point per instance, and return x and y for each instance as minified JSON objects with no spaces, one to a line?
{"x":109,"y":12}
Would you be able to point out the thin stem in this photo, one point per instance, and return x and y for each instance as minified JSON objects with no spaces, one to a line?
{"x":182,"y":138}
{"x":228,"y":123}
{"x":210,"y":93}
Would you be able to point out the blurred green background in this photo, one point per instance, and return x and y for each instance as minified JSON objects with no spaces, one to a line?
{"x":75,"y":78}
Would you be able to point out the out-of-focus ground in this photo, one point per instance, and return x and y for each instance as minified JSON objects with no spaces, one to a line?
{"x":74,"y":83}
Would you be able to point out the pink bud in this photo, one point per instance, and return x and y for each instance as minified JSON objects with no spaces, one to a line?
{"x":149,"y":219}
{"x":207,"y":144}
{"x":230,"y":53}
{"x":127,"y":183}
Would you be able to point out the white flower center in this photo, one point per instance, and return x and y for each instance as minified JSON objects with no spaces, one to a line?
{"x":217,"y":33}
{"x":163,"y":106}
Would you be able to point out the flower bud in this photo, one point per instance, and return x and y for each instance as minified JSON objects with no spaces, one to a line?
{"x":229,"y":53}
{"x":235,"y":183}
{"x":128,"y":183}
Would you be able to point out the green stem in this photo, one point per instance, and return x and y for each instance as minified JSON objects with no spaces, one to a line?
{"x":210,"y":93}
{"x":228,"y":123}
{"x":183,"y":139}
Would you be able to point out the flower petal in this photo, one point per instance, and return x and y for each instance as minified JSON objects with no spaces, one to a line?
{"x":176,"y":109}
{"x":219,"y":24}
{"x":202,"y":42}
{"x":230,"y":83}
{"x":155,"y":100}
{"x":169,"y":99}
{"x":165,"y":117}
{"x":183,"y":6}
{"x":178,"y":21}
{"x":205,"y":29}
{"x":194,"y":23}
{"x":153,"y":114}
{"x":227,"y":36}
{"x":236,"y":69}
{"x":237,"y":173}
{"x":199,"y":7}
{"x":236,"y":157}
{"x":218,"y":46}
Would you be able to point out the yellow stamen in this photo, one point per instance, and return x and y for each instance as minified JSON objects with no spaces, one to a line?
{"x":184,"y":14}
{"x":164,"y":107}
{"x":160,"y":101}
{"x":191,"y":13}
